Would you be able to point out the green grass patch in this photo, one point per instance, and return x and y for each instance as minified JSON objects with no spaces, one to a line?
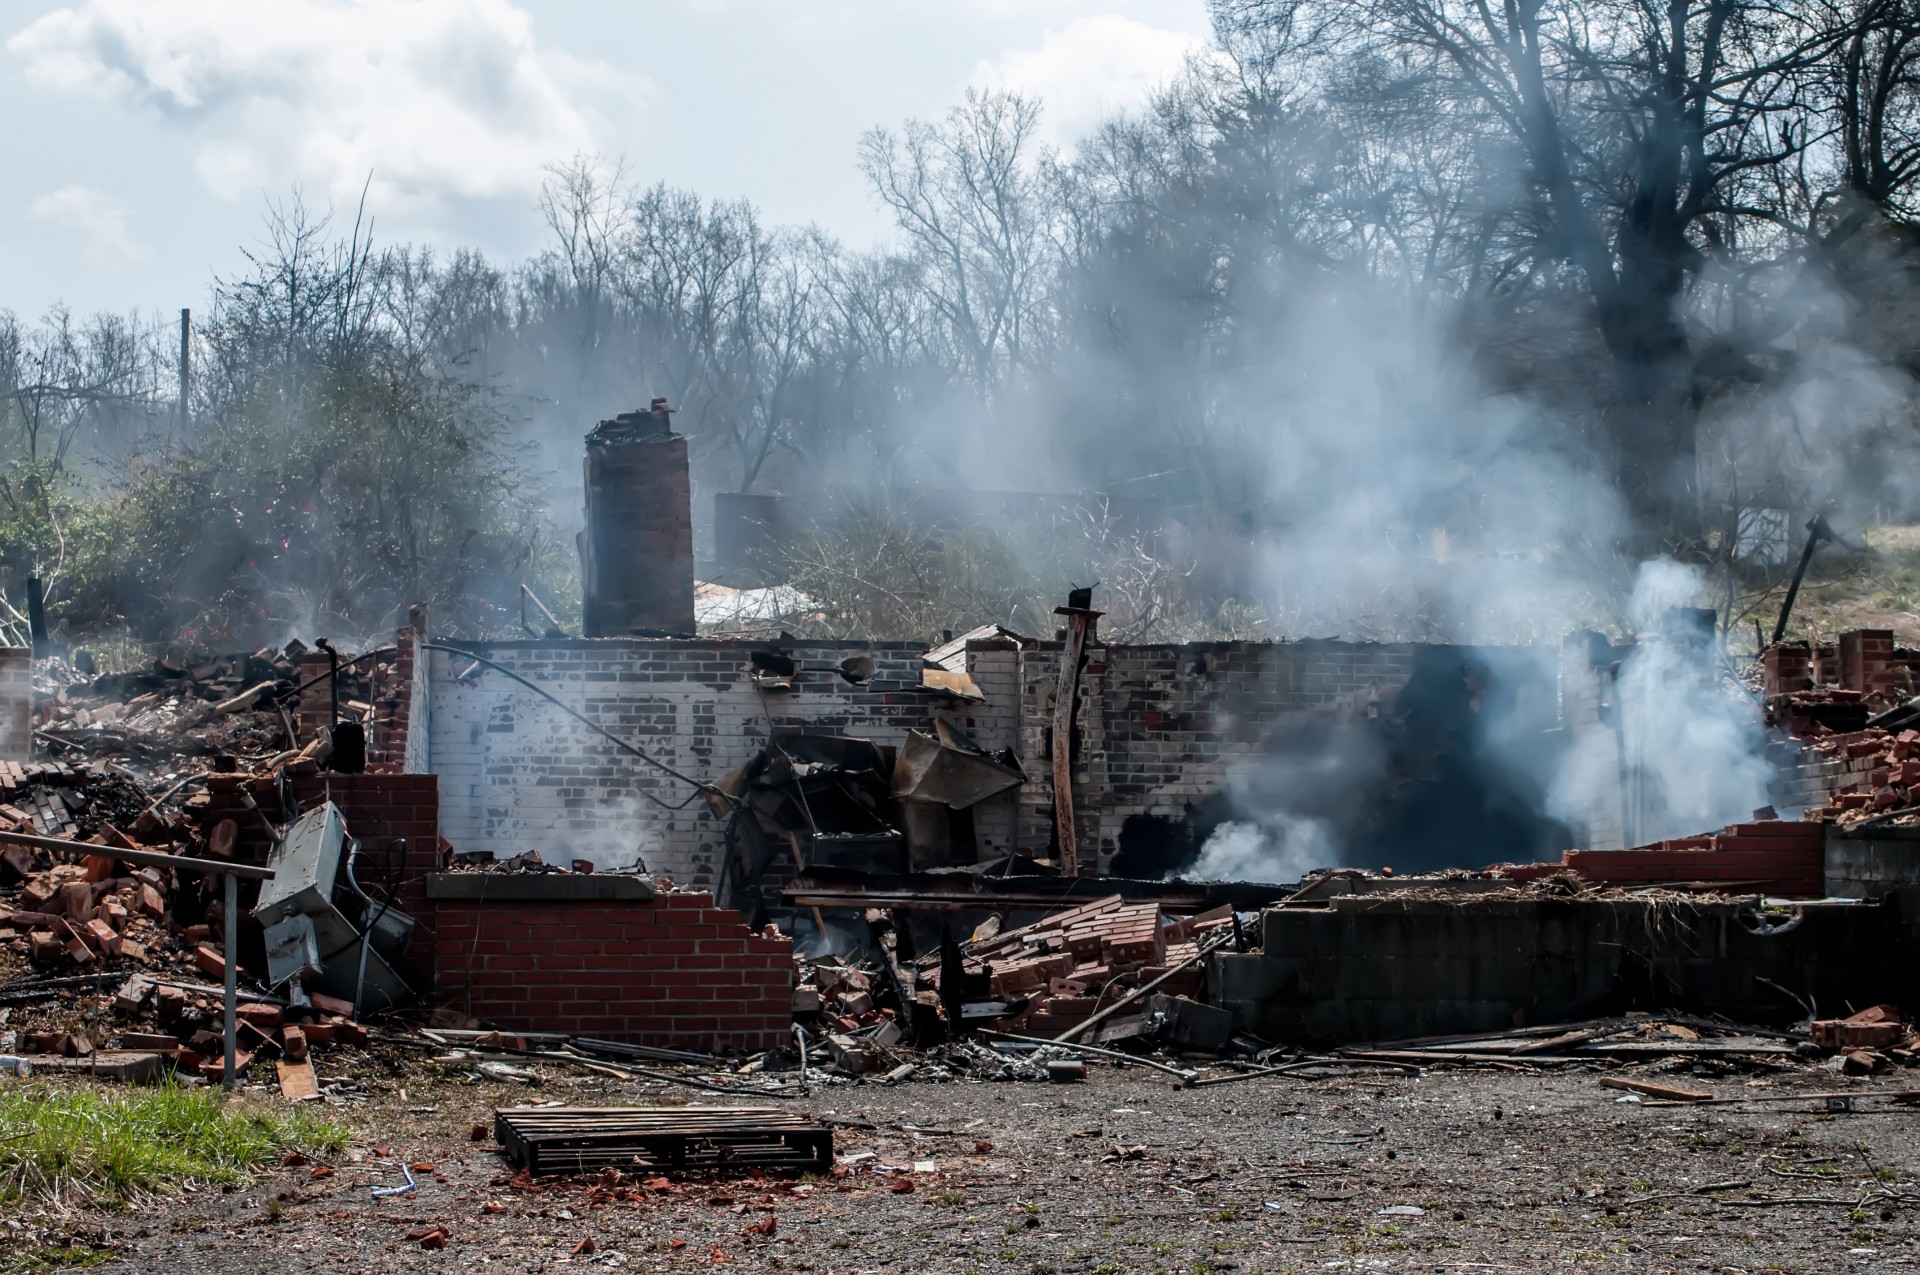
{"x":89,"y":1146}
{"x":40,"y":1261}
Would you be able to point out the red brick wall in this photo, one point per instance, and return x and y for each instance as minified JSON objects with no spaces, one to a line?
{"x":1789,"y":667}
{"x":1775,"y":857}
{"x":388,"y":686}
{"x":1866,"y":660}
{"x":674,"y":971}
{"x":392,"y":707}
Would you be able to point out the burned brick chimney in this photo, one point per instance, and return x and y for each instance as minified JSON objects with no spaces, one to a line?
{"x":636,"y":555}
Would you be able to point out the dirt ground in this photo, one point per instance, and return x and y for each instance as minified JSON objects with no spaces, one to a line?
{"x":1452,"y":1171}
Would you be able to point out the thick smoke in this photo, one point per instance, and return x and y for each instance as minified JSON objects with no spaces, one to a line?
{"x":1284,"y":848}
{"x":1689,"y":756}
{"x":617,"y":839}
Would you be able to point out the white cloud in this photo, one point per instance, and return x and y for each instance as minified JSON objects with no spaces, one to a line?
{"x":1091,"y":68}
{"x":435,"y":98}
{"x":99,"y":223}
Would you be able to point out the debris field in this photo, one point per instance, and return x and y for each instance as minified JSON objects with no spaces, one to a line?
{"x":661,"y":951}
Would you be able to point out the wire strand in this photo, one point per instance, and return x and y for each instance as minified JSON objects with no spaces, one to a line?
{"x":700,"y":787}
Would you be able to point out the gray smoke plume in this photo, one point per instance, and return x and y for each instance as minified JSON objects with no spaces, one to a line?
{"x":1690,"y":754}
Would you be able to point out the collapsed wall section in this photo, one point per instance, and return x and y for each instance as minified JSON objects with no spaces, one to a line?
{"x":395,"y":818}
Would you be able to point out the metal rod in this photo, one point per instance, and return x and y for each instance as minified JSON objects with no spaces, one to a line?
{"x":1298,"y":1070}
{"x":1115,"y":1054}
{"x":1066,"y":1037}
{"x":145,"y":858}
{"x":1817,"y":530}
{"x":232,"y":921}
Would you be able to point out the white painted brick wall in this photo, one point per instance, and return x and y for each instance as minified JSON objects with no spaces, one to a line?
{"x":516,"y":773}
{"x":1161,"y":727}
{"x":16,"y":702}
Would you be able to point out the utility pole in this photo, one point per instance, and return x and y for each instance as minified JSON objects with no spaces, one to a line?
{"x":186,"y":364}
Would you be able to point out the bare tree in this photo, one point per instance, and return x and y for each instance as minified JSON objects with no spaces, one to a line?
{"x":1637,"y":126}
{"x":969,"y":195}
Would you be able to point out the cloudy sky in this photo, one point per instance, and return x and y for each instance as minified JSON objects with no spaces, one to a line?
{"x":147,"y":136}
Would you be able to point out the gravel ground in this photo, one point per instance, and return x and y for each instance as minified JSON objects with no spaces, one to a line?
{"x":1454,"y":1171}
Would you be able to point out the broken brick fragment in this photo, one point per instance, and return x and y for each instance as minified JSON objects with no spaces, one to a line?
{"x":259,"y":1014}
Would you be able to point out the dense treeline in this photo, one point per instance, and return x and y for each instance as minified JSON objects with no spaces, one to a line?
{"x":1410,"y":314}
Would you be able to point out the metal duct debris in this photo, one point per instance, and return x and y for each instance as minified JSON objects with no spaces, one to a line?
{"x":949,"y":768}
{"x":311,"y":941}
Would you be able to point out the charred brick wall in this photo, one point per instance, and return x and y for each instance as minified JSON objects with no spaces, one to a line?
{"x":1786,"y":667}
{"x":1161,"y":728}
{"x":1376,"y":967}
{"x":393,"y":693}
{"x":636,"y":554}
{"x":517,"y":773}
{"x":392,"y":722}
{"x":1868,"y":664}
{"x":673,"y":971}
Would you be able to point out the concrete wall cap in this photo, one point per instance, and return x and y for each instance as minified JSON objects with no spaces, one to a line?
{"x":520,"y":887}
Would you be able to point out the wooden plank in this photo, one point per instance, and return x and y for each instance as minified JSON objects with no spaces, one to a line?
{"x":1698,"y":1048}
{"x":1065,"y":692}
{"x":297,"y":1081}
{"x":1564,"y":1040}
{"x":1650,"y":1090}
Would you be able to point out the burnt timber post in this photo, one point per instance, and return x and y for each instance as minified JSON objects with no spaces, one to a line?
{"x":1080,"y":618}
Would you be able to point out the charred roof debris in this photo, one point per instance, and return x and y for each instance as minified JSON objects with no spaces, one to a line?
{"x":768,"y":867}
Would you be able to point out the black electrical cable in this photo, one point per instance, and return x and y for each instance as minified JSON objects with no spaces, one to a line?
{"x":385,"y":904}
{"x":700,"y":787}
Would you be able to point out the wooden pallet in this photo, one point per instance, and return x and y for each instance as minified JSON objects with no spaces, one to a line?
{"x":660,"y":1139}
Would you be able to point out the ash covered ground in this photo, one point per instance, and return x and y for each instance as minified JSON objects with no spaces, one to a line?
{"x":1454,"y":1171}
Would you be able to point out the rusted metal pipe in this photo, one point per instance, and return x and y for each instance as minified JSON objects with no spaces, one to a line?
{"x":145,"y":858}
{"x":231,"y":916}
